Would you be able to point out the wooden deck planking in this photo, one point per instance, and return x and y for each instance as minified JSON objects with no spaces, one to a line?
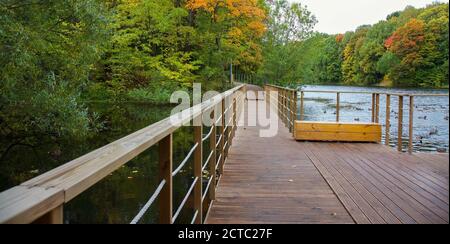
{"x":398,"y":192}
{"x":279,"y":180}
{"x":264,"y":182}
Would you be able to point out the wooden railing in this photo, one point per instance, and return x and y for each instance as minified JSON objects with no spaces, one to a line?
{"x":375,"y":117}
{"x":41,"y":200}
{"x":286,"y":104}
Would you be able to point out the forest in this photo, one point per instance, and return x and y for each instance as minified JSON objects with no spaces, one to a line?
{"x":408,"y":49}
{"x":57,"y":56}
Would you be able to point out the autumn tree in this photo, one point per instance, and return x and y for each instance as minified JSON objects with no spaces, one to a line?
{"x":231,"y":31}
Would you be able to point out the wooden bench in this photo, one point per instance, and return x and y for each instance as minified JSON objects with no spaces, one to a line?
{"x":338,"y":132}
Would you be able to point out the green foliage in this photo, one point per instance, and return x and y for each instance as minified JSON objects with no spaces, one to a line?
{"x":409,"y":48}
{"x":148,"y":43}
{"x":47,"y":49}
{"x":288,"y":26}
{"x":146,"y":95}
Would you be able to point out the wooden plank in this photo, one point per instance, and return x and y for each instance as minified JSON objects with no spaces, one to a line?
{"x":351,"y":191}
{"x":411,"y":195}
{"x":23,"y":205}
{"x":408,"y":213}
{"x":338,"y":136}
{"x":338,"y":127}
{"x":338,"y":163}
{"x":317,"y":131}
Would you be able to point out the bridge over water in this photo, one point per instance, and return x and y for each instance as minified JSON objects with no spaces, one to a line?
{"x":306,"y":173}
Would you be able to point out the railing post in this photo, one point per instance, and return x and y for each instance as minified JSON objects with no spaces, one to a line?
{"x":373,"y":107}
{"x":377,"y":108}
{"x":212,"y":163}
{"x":411,"y":124}
{"x":338,"y":105}
{"x":302,"y":106}
{"x":388,"y":119}
{"x":292,"y":111}
{"x":279,"y":102}
{"x":56,"y":216}
{"x":295,"y":112}
{"x":198,"y":165}
{"x":400,"y":124}
{"x":286,"y":119}
{"x":222,"y":140}
{"x":233,"y":133}
{"x":165,"y":173}
{"x":282,"y":107}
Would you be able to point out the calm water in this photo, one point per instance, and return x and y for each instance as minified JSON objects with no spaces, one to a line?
{"x":118,"y":198}
{"x":431,"y":115}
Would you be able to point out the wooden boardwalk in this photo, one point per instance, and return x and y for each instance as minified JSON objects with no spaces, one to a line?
{"x":279,"y":180}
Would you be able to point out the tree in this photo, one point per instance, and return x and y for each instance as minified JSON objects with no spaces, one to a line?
{"x":150,"y":46}
{"x":406,"y":43}
{"x":230,"y":32}
{"x":47,"y":50}
{"x":288,"y":25}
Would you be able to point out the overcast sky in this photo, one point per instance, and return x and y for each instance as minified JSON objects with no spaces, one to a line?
{"x":339,"y":16}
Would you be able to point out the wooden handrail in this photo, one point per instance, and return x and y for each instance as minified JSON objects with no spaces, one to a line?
{"x":42,"y":198}
{"x":380,"y":93}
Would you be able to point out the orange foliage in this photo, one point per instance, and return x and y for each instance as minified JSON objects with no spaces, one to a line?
{"x":247,"y":11}
{"x":245,"y":21}
{"x":339,"y":38}
{"x":407,"y":39}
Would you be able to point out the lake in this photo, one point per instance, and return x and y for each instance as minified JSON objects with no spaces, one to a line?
{"x":118,"y":198}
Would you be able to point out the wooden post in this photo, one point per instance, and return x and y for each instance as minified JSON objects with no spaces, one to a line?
{"x":411,"y":124}
{"x":400,"y":124}
{"x":388,"y":119}
{"x":295,"y":111}
{"x":198,"y":165}
{"x":283,"y":106}
{"x":338,"y":105}
{"x":212,"y":163}
{"x":165,"y":173}
{"x":373,"y":107}
{"x":56,"y":216}
{"x":286,"y":107}
{"x":302,"y":106}
{"x":222,"y":140}
{"x":234,"y":119}
{"x":292,"y":111}
{"x":279,"y":103}
{"x":377,"y":108}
